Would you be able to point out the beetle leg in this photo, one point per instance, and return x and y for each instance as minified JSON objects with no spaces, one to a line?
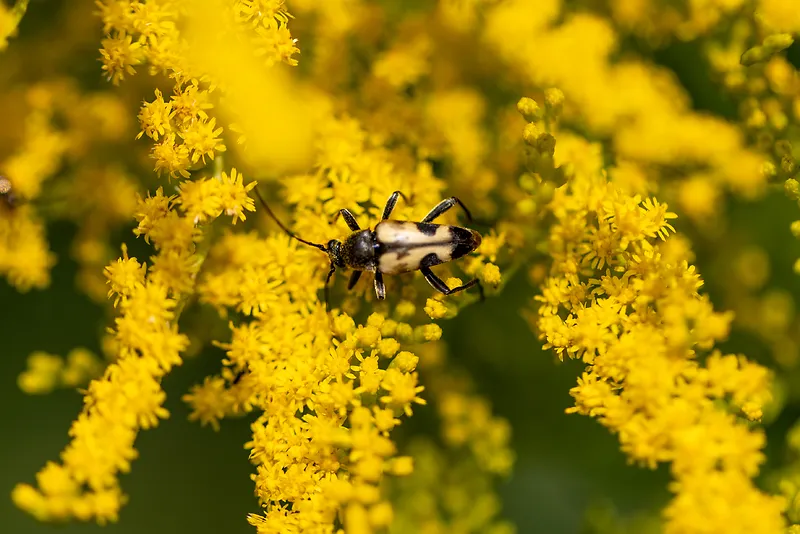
{"x":238,"y":376}
{"x":380,"y":288}
{"x":443,"y":206}
{"x":354,"y":279}
{"x":328,"y":288}
{"x":348,"y":218}
{"x":439,"y":285}
{"x":390,"y":204}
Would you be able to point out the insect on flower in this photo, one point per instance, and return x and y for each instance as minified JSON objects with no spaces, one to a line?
{"x":7,"y":196}
{"x":395,"y":247}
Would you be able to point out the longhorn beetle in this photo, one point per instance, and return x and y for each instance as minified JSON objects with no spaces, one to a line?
{"x":395,"y":247}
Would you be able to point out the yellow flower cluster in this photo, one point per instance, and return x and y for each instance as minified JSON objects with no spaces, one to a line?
{"x":129,"y":397}
{"x":659,"y":20}
{"x":199,"y":134}
{"x":640,"y":110}
{"x":47,"y":372}
{"x":322,"y":445}
{"x":466,"y":418}
{"x":447,"y":492}
{"x":9,"y":20}
{"x":62,"y":129}
{"x":25,"y":258}
{"x":149,"y":32}
{"x":450,"y":489}
{"x":159,"y":34}
{"x":766,"y":87}
{"x":126,"y":399}
{"x":623,"y":298}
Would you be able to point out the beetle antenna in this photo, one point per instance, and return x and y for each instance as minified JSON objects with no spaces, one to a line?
{"x":279,"y":223}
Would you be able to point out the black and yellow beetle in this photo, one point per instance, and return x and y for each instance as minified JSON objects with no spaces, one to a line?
{"x":395,"y":247}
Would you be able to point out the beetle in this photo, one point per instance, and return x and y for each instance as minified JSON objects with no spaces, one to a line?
{"x":395,"y":247}
{"x":7,"y":192}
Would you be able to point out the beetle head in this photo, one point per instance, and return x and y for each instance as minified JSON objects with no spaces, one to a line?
{"x":334,"y":250}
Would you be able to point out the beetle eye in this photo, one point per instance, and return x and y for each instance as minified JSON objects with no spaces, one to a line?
{"x":334,"y":249}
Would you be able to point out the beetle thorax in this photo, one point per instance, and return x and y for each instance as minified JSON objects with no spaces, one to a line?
{"x":358,"y":250}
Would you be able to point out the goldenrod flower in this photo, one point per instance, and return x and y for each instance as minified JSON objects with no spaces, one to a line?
{"x":604,"y":304}
{"x":119,"y":55}
{"x":155,"y":117}
{"x":171,"y":157}
{"x":201,"y":139}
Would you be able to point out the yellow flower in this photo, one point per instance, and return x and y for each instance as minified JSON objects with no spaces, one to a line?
{"x":492,"y":244}
{"x":46,"y":372}
{"x":176,"y":270}
{"x":201,"y":139}
{"x":171,"y":157}
{"x":119,"y":55}
{"x":405,"y":64}
{"x":127,"y":398}
{"x":778,"y":15}
{"x":402,"y":389}
{"x":639,"y":330}
{"x":155,"y":117}
{"x":115,"y":15}
{"x":9,"y":20}
{"x":491,"y":274}
{"x":435,"y":308}
{"x":190,"y":102}
{"x":430,"y":332}
{"x":124,"y":275}
{"x":733,"y":496}
{"x":42,"y":375}
{"x":200,"y":200}
{"x":267,"y":12}
{"x":233,"y":196}
{"x":210,"y":401}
